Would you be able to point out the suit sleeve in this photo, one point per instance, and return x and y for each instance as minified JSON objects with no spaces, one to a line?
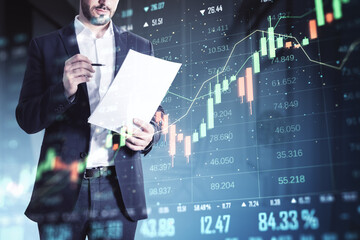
{"x":41,"y":100}
{"x":157,"y":130}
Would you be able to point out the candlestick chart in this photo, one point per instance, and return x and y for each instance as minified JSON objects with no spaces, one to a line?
{"x":261,"y":130}
{"x":262,"y":113}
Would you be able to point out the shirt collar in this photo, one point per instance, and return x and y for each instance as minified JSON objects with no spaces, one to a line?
{"x":81,"y":29}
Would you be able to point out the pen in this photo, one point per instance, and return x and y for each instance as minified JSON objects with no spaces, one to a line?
{"x":97,"y":64}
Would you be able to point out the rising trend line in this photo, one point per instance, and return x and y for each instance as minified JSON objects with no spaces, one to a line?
{"x":215,"y":76}
{"x":282,"y":17}
{"x":212,"y":92}
{"x":343,"y":62}
{"x":350,"y":50}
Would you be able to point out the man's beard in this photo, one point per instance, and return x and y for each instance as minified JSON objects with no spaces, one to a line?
{"x":99,"y":21}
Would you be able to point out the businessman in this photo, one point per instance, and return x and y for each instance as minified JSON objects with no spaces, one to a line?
{"x":83,"y":187}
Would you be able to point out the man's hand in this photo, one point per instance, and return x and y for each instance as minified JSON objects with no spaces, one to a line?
{"x":77,"y":70}
{"x":141,"y":138}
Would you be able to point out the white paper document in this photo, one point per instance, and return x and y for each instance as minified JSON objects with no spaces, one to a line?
{"x":136,"y":92}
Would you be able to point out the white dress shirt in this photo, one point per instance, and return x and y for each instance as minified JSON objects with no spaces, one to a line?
{"x":98,"y":50}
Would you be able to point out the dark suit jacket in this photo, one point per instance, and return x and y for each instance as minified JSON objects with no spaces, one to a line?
{"x":42,"y":105}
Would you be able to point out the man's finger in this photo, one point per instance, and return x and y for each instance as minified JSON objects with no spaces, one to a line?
{"x":81,"y":65}
{"x":138,"y":122}
{"x":78,"y":58}
{"x":146,"y":127}
{"x":135,"y":141}
{"x":133,"y":147}
{"x":81,"y":72}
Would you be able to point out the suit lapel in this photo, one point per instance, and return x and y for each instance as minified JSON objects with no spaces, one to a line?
{"x":121,"y":47}
{"x":68,"y":37}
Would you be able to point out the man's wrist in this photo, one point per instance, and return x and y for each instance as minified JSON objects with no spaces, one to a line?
{"x":149,"y":146}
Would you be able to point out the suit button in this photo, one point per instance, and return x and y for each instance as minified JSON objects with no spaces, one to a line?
{"x":83,"y":155}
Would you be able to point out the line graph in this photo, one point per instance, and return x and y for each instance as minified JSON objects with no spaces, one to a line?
{"x":197,"y":97}
{"x":268,"y":46}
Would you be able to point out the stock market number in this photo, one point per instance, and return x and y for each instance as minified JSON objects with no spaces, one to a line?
{"x":261,"y":131}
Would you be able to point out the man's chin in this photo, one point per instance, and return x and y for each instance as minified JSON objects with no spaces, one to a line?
{"x":100,"y":21}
